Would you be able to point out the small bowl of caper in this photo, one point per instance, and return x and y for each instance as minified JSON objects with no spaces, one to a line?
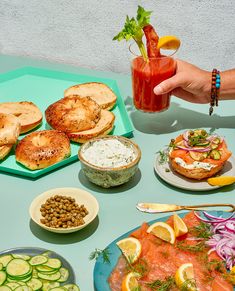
{"x":64,"y":210}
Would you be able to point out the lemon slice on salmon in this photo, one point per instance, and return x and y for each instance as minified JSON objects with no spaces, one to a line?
{"x":162,"y":230}
{"x":131,"y":248}
{"x":180,"y":227}
{"x":221,"y":181}
{"x":130,"y":282}
{"x":184,"y":277}
{"x":168,"y":42}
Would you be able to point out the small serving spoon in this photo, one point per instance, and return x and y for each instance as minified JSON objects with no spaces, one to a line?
{"x":160,"y":208}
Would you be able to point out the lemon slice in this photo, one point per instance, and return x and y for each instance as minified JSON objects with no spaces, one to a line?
{"x":184,"y":276}
{"x":131,"y":248}
{"x":221,"y":181}
{"x":180,"y":227}
{"x":130,"y":282}
{"x":162,"y":230}
{"x":168,"y":42}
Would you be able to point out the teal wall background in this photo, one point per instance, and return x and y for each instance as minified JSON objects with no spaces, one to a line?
{"x":80,"y":32}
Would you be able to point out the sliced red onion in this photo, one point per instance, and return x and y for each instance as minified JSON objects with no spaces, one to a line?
{"x":185,"y":135}
{"x":194,"y":149}
{"x":215,"y":220}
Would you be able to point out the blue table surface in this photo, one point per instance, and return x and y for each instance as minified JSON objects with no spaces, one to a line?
{"x":117,"y":212}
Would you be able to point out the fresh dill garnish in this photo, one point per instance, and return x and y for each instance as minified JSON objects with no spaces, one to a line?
{"x":141,"y":267}
{"x":203,"y":230}
{"x":188,"y":285}
{"x":163,"y":156}
{"x":199,"y":247}
{"x":98,"y":252}
{"x":160,"y":285}
{"x":215,"y":265}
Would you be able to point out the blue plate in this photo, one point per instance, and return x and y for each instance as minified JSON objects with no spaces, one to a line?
{"x":103,"y":270}
{"x":30,"y":251}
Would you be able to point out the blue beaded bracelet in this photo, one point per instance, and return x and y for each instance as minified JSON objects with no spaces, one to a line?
{"x":215,"y":86}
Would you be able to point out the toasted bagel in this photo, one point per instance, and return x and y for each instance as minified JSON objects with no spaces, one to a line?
{"x":4,"y":150}
{"x":28,"y":113}
{"x":41,"y":149}
{"x":99,"y":92}
{"x":72,"y":114}
{"x":103,"y":127}
{"x":9,"y":129}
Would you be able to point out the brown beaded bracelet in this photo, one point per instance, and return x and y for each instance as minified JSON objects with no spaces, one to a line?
{"x":215,"y":87}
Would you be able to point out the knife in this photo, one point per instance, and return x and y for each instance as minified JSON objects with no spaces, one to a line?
{"x":160,"y":208}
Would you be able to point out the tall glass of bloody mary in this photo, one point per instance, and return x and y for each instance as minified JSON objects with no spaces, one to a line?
{"x":145,"y":76}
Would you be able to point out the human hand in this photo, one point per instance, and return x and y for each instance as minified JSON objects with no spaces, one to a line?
{"x":189,"y":83}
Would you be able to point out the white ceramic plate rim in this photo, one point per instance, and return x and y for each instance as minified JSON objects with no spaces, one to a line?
{"x":179,"y":181}
{"x":92,"y":205}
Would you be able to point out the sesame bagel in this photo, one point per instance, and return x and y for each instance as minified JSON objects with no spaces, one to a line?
{"x":72,"y":114}
{"x":28,"y":114}
{"x":99,"y":92}
{"x":9,"y":129}
{"x":42,"y":149}
{"x":198,"y":155}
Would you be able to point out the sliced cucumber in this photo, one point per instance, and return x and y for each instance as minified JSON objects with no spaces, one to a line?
{"x":203,"y":144}
{"x":21,"y":283}
{"x":216,"y":140}
{"x":18,"y":267}
{"x":1,"y":266}
{"x":52,"y":277}
{"x":197,"y":156}
{"x":34,"y":273}
{"x":24,"y":288}
{"x":71,"y":287}
{"x":53,"y":263}
{"x":5,"y":288}
{"x":12,"y":285}
{"x":5,"y":259}
{"x":45,"y":269}
{"x":64,"y":275}
{"x":35,"y":284}
{"x":3,"y":277}
{"x":58,"y":289}
{"x":49,"y":285}
{"x":38,"y":260}
{"x":215,"y":155}
{"x":214,"y":146}
{"x":19,"y":256}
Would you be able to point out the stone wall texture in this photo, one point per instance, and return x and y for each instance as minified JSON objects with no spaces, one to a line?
{"x":80,"y":32}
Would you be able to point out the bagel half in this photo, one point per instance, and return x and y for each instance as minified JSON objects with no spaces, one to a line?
{"x":28,"y":114}
{"x":103,"y":127}
{"x":99,"y":92}
{"x":41,"y":149}
{"x":73,"y":114}
{"x":4,"y":150}
{"x":9,"y":129}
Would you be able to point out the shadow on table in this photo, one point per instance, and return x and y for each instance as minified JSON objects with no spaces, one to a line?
{"x":118,"y":189}
{"x":63,"y":239}
{"x":228,"y":188}
{"x":174,"y":119}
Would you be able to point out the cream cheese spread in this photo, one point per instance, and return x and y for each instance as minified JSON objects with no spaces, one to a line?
{"x":109,"y":153}
{"x":194,"y":165}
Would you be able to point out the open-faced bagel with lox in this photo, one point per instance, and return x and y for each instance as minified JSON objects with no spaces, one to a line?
{"x":196,"y":154}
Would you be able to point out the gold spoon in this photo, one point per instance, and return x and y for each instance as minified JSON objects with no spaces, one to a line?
{"x":160,"y":208}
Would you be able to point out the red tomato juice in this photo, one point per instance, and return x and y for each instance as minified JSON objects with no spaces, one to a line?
{"x":145,"y":76}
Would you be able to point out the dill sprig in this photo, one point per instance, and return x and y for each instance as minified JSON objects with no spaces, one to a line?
{"x":188,"y":285}
{"x":141,"y":267}
{"x":199,"y":247}
{"x":98,"y":252}
{"x":203,"y":230}
{"x":215,"y":265}
{"x":161,"y":285}
{"x":163,"y":156}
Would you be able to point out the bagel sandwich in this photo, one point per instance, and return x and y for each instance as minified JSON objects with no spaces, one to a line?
{"x":99,"y":92}
{"x":103,"y":127}
{"x":41,"y":149}
{"x":28,"y":113}
{"x":198,"y":155}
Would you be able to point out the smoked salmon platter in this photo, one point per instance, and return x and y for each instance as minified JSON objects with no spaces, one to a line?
{"x":159,"y":262}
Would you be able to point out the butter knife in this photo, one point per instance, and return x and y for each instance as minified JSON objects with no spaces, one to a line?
{"x":160,"y":208}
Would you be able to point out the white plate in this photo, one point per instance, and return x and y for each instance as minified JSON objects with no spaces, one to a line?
{"x":182,"y":182}
{"x":81,"y":197}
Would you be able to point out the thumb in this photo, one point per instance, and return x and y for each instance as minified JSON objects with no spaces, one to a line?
{"x":170,"y":84}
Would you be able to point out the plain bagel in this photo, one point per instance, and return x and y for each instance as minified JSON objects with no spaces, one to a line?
{"x":4,"y":150}
{"x":9,"y":129}
{"x":42,"y":149}
{"x":28,"y":114}
{"x":73,"y":114}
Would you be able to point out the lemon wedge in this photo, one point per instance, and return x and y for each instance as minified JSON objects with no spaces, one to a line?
{"x":180,"y":227}
{"x":221,"y":181}
{"x":184,"y":276}
{"x":130,"y":282}
{"x":162,"y":230}
{"x":131,"y":248}
{"x":168,"y":42}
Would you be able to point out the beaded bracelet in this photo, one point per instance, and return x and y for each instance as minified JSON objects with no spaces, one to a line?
{"x":215,"y":87}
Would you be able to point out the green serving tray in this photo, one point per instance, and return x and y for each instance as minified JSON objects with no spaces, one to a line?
{"x":43,"y":87}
